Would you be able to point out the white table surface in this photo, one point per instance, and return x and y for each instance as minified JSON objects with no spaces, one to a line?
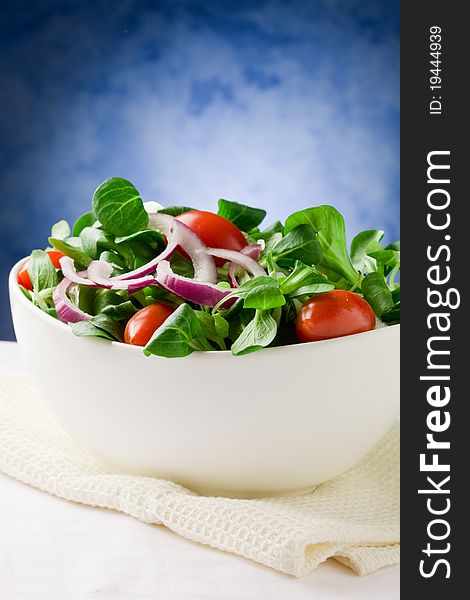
{"x":51,"y":549}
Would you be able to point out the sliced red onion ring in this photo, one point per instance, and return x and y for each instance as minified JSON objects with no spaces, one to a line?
{"x":233,"y":268}
{"x":150,"y":266}
{"x":181,"y":235}
{"x":98,"y":274}
{"x":253,"y":251}
{"x":239,"y":258}
{"x":198,"y":292}
{"x":99,"y":271}
{"x":204,"y":265}
{"x":66,"y":309}
{"x":161,"y":222}
{"x":70,"y":272}
{"x":136,"y":285}
{"x":178,"y":235}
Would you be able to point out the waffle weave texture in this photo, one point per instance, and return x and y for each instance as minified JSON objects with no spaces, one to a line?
{"x":354,"y":518}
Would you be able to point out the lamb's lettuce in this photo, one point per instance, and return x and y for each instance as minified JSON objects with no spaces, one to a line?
{"x":259,"y":333}
{"x":180,"y":335}
{"x":41,"y":271}
{"x":244,"y":217}
{"x":328,"y":224}
{"x":119,"y":208}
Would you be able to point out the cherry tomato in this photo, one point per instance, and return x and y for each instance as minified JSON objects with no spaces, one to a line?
{"x":333,"y":314}
{"x":215,"y":231}
{"x":55,"y":256}
{"x":145,"y":322}
{"x":23,"y":276}
{"x":24,"y":279}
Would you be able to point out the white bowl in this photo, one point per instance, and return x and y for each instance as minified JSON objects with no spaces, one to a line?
{"x":276,"y":422}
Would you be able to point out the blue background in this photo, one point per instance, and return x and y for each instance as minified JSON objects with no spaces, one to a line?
{"x":278,"y":104}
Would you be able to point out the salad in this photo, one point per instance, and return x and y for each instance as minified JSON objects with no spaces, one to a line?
{"x":175,"y":280}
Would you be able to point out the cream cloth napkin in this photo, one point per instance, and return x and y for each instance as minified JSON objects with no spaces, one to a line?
{"x":354,"y":518}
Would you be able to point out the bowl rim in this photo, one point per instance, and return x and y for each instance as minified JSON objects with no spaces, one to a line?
{"x":21,"y":298}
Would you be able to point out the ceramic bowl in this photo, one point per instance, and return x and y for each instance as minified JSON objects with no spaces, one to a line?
{"x":276,"y":422}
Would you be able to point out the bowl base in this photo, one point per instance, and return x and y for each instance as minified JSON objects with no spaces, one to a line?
{"x":251,"y":495}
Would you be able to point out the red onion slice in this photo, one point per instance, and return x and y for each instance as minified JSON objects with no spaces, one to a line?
{"x":66,"y":309}
{"x":199,"y":292}
{"x":253,"y":251}
{"x":98,"y":274}
{"x":161,"y":222}
{"x":239,"y":258}
{"x":150,"y":266}
{"x":67,"y":267}
{"x":99,"y":271}
{"x":204,"y":265}
{"x":179,"y":234}
{"x":232,"y":270}
{"x":136,"y":285}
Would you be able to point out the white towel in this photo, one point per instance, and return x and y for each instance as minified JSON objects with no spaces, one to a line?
{"x":354,"y":518}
